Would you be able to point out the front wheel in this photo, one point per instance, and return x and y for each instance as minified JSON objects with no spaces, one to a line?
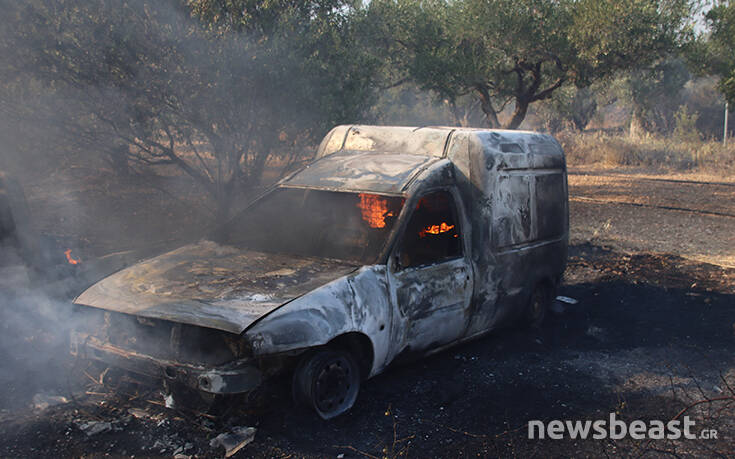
{"x":327,"y":381}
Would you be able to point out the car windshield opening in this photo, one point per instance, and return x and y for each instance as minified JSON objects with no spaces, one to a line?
{"x":317,"y":223}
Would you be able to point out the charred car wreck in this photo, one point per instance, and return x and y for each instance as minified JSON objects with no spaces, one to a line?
{"x":394,"y":242}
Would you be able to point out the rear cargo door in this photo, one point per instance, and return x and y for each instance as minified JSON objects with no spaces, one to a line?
{"x":431,"y":275}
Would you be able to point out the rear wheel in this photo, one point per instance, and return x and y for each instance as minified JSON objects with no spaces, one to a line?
{"x":327,"y":381}
{"x":538,"y":305}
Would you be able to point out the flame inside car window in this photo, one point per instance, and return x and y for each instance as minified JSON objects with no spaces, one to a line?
{"x":432,"y":233}
{"x":374,"y":210}
{"x":444,"y":227}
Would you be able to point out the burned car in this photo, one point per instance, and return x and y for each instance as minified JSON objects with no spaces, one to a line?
{"x":395,"y":242}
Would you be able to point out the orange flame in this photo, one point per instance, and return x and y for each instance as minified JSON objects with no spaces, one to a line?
{"x":436,"y":229}
{"x":374,"y":210}
{"x":71,"y":260}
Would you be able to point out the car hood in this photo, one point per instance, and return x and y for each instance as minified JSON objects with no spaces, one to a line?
{"x":212,"y":285}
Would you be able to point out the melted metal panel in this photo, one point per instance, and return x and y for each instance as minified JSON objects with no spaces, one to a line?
{"x":435,"y":302}
{"x":355,"y":303}
{"x":211,"y":285}
{"x":360,"y":171}
{"x":373,"y":313}
{"x":514,"y":199}
{"x":333,"y":141}
{"x":426,"y":141}
{"x":498,"y":185}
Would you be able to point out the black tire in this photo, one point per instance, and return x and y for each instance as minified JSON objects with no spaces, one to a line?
{"x":538,"y":305}
{"x":327,"y":381}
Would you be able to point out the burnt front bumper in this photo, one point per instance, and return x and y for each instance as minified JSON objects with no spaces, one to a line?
{"x":231,"y":378}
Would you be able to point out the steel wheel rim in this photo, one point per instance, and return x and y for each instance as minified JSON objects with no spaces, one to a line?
{"x":537,"y":307}
{"x":332,"y":385}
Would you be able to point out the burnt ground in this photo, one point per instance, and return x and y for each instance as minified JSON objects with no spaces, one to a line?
{"x":691,"y":215}
{"x":652,"y":334}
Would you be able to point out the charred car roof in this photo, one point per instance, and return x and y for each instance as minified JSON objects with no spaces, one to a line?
{"x":388,"y":159}
{"x":384,"y":173}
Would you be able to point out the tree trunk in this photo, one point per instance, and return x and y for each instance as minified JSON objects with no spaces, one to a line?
{"x":519,"y":114}
{"x":487,"y":107}
{"x":636,"y":126}
{"x":224,"y":206}
{"x":225,"y":194}
{"x":240,"y":180}
{"x":459,"y":119}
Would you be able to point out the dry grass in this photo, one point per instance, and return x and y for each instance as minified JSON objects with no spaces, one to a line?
{"x":690,"y":214}
{"x":670,"y":153}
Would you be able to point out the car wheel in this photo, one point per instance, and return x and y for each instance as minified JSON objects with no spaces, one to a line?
{"x":538,"y":305}
{"x":327,"y":381}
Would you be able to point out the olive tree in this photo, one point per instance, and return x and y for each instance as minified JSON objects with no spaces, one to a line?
{"x":213,"y":90}
{"x":519,"y":52}
{"x":718,"y":56}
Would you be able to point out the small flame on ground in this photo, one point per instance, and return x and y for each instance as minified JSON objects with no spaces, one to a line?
{"x":72,"y":261}
{"x":374,"y":210}
{"x":436,"y":229}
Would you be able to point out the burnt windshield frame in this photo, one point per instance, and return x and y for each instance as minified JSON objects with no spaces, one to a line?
{"x":402,"y":245}
{"x":314,"y":222}
{"x":465,"y":236}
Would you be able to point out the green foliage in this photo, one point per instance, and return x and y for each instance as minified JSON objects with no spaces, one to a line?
{"x":522,"y":51}
{"x":568,"y":105}
{"x":192,"y":84}
{"x":715,"y":53}
{"x":266,"y":17}
{"x":583,"y":108}
{"x":727,"y":86}
{"x":701,"y":95}
{"x":685,"y":129}
{"x":407,"y":105}
{"x":656,"y":93}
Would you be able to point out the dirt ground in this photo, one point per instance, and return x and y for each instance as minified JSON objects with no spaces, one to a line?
{"x":652,"y":335}
{"x":691,"y":215}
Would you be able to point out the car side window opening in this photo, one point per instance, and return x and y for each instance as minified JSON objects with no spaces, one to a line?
{"x":433,"y":232}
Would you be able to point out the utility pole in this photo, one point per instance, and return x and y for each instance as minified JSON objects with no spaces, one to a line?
{"x":724,"y":133}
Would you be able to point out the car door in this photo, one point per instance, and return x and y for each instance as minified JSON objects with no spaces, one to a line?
{"x":431,"y":275}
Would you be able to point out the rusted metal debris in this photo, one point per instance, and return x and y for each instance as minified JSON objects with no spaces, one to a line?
{"x":395,"y":242}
